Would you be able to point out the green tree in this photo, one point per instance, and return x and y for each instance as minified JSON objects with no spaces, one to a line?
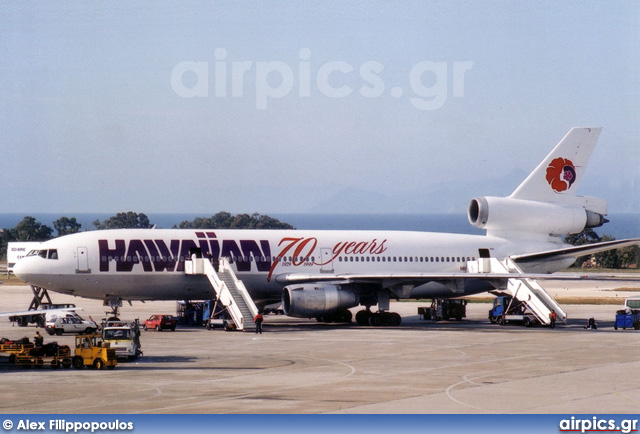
{"x":587,"y":236}
{"x":66,"y":226}
{"x":629,"y":256}
{"x":609,"y":258}
{"x":122,"y":220}
{"x":224,"y":220}
{"x":29,"y":229}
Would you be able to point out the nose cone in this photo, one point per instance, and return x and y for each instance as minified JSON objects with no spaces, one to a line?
{"x":20,"y":270}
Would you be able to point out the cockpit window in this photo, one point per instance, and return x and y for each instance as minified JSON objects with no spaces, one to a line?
{"x":46,"y":254}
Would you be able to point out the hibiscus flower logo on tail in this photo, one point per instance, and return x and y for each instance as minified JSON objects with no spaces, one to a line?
{"x":561,"y":174}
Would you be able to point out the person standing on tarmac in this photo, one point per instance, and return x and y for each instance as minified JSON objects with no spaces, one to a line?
{"x":38,"y":340}
{"x":552,"y":319}
{"x":258,"y":320}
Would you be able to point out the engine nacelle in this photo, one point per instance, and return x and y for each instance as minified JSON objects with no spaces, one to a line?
{"x":504,"y":214}
{"x":313,"y":300}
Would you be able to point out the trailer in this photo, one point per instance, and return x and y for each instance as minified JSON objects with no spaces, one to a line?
{"x":26,"y":354}
{"x":50,"y":354}
{"x":627,"y":319}
{"x":444,"y":309}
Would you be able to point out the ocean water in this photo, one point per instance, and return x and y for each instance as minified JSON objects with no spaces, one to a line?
{"x":620,"y":225}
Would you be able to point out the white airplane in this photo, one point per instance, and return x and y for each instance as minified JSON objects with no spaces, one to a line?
{"x":332,"y":271}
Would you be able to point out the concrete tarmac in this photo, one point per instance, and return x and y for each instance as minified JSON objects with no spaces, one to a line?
{"x":301,"y":366}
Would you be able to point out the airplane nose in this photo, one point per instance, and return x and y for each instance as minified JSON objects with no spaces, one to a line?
{"x":20,"y":270}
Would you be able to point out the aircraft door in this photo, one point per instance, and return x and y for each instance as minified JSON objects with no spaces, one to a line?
{"x":83,"y":260}
{"x":325,"y":260}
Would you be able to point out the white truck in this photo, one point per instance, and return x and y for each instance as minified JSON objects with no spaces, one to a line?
{"x":124,"y":337}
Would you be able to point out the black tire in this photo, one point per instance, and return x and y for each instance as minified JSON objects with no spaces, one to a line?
{"x":362,"y":317}
{"x":66,"y":363}
{"x":395,"y":319}
{"x":59,"y":332}
{"x":226,"y":326}
{"x":527,"y":322}
{"x":501,"y":320}
{"x":98,"y":364}
{"x":158,"y":328}
{"x":375,"y":320}
{"x":89,"y":331}
{"x":77,"y":362}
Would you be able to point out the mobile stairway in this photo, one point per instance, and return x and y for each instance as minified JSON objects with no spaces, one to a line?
{"x":230,"y":291}
{"x":527,"y":291}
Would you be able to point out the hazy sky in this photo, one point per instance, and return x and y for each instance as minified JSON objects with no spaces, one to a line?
{"x":296,"y":106}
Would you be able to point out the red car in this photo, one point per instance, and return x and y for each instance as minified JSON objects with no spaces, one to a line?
{"x":160,"y":322}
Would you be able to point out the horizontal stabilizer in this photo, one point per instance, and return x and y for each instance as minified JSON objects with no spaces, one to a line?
{"x":575,"y":252}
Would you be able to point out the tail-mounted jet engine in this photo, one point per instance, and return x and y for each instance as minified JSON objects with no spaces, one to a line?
{"x":322,"y":301}
{"x":504,"y":214}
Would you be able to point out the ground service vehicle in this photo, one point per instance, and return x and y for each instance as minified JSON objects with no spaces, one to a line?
{"x":70,"y":324}
{"x":444,"y":309}
{"x":92,"y":351}
{"x":506,"y":309}
{"x":160,"y":322}
{"x":123,"y":337}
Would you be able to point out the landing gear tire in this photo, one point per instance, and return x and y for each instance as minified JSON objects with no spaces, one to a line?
{"x":362,"y":317}
{"x":394,"y":319}
{"x":375,"y":320}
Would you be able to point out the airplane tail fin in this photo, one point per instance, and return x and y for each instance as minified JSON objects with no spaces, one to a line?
{"x":557,"y":177}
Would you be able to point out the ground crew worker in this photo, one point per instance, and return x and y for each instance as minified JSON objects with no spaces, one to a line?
{"x":258,"y":320}
{"x":38,"y":340}
{"x":552,"y":319}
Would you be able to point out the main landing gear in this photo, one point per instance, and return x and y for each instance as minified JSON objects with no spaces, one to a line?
{"x":377,"y":319}
{"x":343,"y":315}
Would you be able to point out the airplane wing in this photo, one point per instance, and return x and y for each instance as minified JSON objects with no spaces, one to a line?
{"x":39,"y":311}
{"x":421,"y":278}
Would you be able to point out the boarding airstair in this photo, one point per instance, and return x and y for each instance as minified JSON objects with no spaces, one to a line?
{"x":527,"y":291}
{"x":230,"y":291}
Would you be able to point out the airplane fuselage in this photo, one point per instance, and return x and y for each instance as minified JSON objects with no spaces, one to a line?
{"x":148,"y":264}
